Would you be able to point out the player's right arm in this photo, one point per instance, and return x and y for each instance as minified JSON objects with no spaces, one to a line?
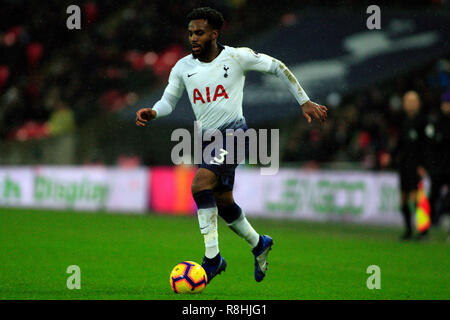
{"x":166,"y":104}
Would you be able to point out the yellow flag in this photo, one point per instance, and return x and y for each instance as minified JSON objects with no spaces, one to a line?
{"x":423,"y":220}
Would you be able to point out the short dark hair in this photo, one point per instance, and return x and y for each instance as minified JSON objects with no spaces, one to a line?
{"x":214,"y":17}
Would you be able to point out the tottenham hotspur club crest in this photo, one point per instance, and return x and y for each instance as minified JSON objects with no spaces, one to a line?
{"x":226,"y":70}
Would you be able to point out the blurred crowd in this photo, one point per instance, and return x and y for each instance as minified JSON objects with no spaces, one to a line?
{"x":53,"y":79}
{"x":49,"y":72}
{"x":51,"y":76}
{"x":364,"y":128}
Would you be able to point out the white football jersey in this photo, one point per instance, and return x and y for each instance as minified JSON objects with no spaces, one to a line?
{"x":215,"y":88}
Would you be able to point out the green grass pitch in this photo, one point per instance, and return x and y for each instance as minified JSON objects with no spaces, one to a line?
{"x":131,"y":256}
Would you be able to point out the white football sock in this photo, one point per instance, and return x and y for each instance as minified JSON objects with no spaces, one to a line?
{"x":211,"y":246}
{"x":207,"y":219}
{"x":243,"y":228}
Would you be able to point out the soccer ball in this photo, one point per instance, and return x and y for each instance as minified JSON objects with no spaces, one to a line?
{"x":188,"y":277}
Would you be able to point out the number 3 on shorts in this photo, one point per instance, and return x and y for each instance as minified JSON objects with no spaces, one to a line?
{"x":221,"y":158}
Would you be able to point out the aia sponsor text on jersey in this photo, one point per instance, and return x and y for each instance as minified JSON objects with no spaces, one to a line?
{"x":218,"y":92}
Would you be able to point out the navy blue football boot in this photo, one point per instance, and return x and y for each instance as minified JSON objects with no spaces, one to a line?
{"x":260,"y":252}
{"x":213,"y":270}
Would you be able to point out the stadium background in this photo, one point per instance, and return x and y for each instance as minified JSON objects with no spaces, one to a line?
{"x":70,"y":151}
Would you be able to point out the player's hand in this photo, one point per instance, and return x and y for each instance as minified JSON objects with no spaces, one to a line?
{"x":312,"y":109}
{"x":144,"y":115}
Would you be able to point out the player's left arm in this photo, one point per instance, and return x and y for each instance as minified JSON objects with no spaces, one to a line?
{"x":310,"y":109}
{"x":264,"y":63}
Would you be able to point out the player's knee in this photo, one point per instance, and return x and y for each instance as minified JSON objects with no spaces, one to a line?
{"x":203,"y":181}
{"x":200,"y":185}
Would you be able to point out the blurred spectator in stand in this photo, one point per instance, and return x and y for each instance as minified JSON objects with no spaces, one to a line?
{"x":61,"y":120}
{"x":61,"y":125}
{"x":409,"y":156}
{"x":4,"y":76}
{"x":437,"y":132}
{"x":128,"y":161}
{"x":90,"y":11}
{"x":34,"y":54}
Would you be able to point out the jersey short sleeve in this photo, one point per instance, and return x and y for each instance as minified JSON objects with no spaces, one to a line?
{"x":253,"y":61}
{"x":176,"y":85}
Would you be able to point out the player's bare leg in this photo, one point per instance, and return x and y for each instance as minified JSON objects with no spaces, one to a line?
{"x":202,"y":190}
{"x":236,"y":220}
{"x":204,"y":179}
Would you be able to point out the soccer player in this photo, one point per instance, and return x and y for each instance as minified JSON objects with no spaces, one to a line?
{"x":213,"y":76}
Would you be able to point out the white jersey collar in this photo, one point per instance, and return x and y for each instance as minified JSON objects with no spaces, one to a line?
{"x":215,"y":59}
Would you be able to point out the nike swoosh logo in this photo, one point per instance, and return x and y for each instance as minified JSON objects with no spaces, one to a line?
{"x":191,"y":74}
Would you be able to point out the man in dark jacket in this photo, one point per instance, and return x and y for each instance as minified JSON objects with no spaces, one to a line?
{"x":409,"y":156}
